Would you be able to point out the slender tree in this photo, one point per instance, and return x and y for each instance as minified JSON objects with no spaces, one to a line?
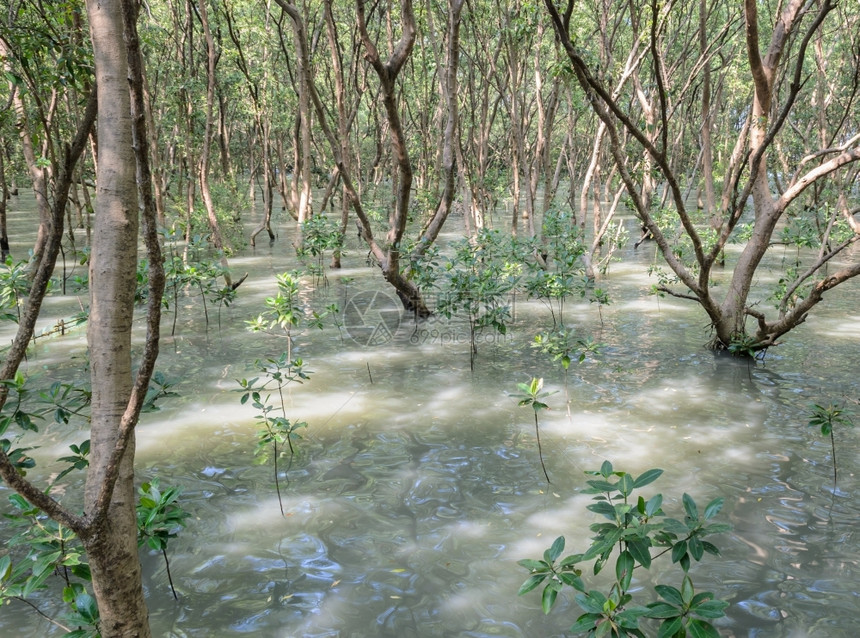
{"x":775,"y":77}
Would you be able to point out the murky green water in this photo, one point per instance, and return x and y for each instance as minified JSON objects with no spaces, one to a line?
{"x":417,"y":485}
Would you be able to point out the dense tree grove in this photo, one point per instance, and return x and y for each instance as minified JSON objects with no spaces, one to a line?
{"x":728,"y":129}
{"x":712,"y":123}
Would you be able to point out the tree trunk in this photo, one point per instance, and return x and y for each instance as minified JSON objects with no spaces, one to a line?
{"x":4,"y":196}
{"x":37,"y":174}
{"x":205,"y":193}
{"x":450,"y":136}
{"x":112,"y":548}
{"x":304,"y":136}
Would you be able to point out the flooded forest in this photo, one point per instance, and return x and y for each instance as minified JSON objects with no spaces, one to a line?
{"x":438,"y":319}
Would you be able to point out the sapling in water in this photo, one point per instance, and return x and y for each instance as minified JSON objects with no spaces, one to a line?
{"x":631,"y":529}
{"x":563,"y":347}
{"x":532,"y":395}
{"x":283,"y":309}
{"x":159,"y":518}
{"x":277,"y":428}
{"x":826,"y":418}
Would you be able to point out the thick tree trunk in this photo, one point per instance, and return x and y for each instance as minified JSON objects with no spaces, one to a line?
{"x":112,"y":548}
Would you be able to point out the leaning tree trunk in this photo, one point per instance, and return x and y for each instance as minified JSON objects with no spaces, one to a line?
{"x":389,"y":258}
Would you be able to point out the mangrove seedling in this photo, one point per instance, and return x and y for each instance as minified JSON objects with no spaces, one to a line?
{"x":277,"y":428}
{"x":532,"y":396}
{"x":562,"y":346}
{"x":826,"y":418}
{"x":159,"y":518}
{"x":632,"y":526}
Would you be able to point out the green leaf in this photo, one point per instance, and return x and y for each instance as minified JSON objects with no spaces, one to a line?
{"x":603,"y":508}
{"x":711,"y":608}
{"x":690,"y":507}
{"x":603,"y":629}
{"x":647,"y":477}
{"x":572,"y":580}
{"x":687,"y":590}
{"x":87,"y":608}
{"x":679,"y":550}
{"x":675,"y":526}
{"x":662,"y":610}
{"x":532,"y":582}
{"x":716,"y":528}
{"x":629,"y":618}
{"x":570,"y":560}
{"x":696,"y":548}
{"x":701,"y":629}
{"x":669,"y":593}
{"x":5,"y":567}
{"x":670,"y":628}
{"x":653,"y":505}
{"x":624,"y":565}
{"x":600,"y":486}
{"x":585,"y":623}
{"x":533,"y":565}
{"x":556,"y":549}
{"x":625,"y":485}
{"x":592,"y":601}
{"x":640,"y":550}
{"x":550,"y":593}
{"x":714,"y":508}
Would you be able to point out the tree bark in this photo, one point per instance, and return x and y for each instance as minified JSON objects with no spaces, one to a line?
{"x":111,"y":543}
{"x":38,"y":175}
{"x":451,"y":134}
{"x":4,"y":196}
{"x":205,"y":193}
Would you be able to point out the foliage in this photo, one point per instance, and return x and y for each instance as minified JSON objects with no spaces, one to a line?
{"x":477,"y":281}
{"x":276,"y":428}
{"x":14,"y":286}
{"x":562,"y":345}
{"x":78,"y":460}
{"x":192,"y":272}
{"x":633,"y":527}
{"x":284,"y":310}
{"x":320,"y":235}
{"x":561,"y":272}
{"x":745,"y":346}
{"x":159,"y":388}
{"x":84,"y":614}
{"x":826,"y":418}
{"x":159,"y":518}
{"x":531,"y":395}
{"x":50,"y":549}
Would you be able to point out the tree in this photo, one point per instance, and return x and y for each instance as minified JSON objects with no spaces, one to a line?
{"x":107,"y":527}
{"x":775,"y":80}
{"x":388,"y":256}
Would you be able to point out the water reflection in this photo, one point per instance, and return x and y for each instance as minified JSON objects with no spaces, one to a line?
{"x":417,"y":485}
